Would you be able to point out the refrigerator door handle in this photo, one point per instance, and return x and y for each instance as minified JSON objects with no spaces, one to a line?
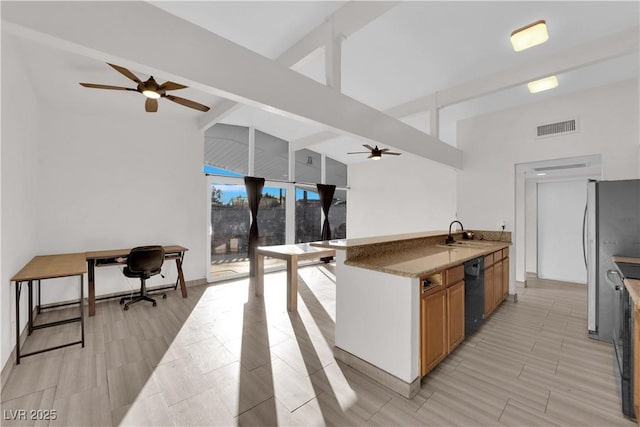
{"x":584,"y":236}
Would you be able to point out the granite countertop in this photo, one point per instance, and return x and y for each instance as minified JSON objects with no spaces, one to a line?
{"x":632,"y":285}
{"x":363,"y":241}
{"x":425,"y":260}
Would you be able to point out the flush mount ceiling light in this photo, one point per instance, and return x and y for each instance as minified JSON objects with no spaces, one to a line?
{"x":529,"y":35}
{"x":543,"y":84}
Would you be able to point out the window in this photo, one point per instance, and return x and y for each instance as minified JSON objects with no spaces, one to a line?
{"x":280,"y":221}
{"x":338,"y":215}
{"x":227,"y":147}
{"x":271,"y":157}
{"x":230,"y":223}
{"x":308,"y":214}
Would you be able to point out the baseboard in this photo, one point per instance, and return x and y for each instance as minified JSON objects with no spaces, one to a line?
{"x":408,"y":390}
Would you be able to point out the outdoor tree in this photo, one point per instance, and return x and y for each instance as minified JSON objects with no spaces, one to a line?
{"x":216,"y":196}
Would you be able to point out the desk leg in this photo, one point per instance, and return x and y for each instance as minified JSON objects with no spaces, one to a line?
{"x":39,"y":299}
{"x":82,"y":308}
{"x":91,"y":263}
{"x":259,"y":275}
{"x":183,"y":286}
{"x":18,"y":291}
{"x":292,"y":283}
{"x":30,"y":307}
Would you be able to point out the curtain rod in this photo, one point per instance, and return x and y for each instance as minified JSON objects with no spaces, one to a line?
{"x":278,"y":180}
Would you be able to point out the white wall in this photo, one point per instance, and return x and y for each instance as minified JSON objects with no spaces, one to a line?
{"x":76,"y":181}
{"x":19,"y":186}
{"x":560,"y":212}
{"x":106,"y":186}
{"x":400,"y":195}
{"x":494,"y":143}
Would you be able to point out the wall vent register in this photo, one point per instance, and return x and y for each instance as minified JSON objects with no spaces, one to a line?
{"x":550,"y":129}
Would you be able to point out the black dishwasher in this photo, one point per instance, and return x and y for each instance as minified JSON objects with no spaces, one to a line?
{"x":473,"y":294}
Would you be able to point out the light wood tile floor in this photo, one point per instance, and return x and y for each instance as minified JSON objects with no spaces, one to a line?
{"x":224,"y":357}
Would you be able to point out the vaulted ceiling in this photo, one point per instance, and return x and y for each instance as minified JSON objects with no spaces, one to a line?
{"x":402,"y":58}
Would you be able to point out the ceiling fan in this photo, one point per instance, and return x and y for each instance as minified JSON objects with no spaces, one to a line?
{"x":151,"y":89}
{"x":375,"y":153}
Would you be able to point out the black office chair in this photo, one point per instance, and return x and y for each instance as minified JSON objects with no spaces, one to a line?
{"x":143,"y":262}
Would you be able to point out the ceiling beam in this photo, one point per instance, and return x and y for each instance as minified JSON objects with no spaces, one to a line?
{"x":345,"y":21}
{"x":195,"y":56}
{"x":606,"y":48}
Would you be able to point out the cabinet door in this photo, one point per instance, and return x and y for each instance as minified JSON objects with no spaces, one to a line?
{"x":505,"y":278}
{"x":497,"y":283}
{"x":455,"y":315}
{"x":489,"y":302}
{"x":636,"y":362}
{"x":433,"y":330}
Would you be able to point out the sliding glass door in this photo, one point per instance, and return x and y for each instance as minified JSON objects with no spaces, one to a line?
{"x":229,"y":222}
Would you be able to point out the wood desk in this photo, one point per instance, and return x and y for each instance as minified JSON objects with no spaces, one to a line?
{"x":118,"y":257}
{"x":48,"y":267}
{"x":291,"y":254}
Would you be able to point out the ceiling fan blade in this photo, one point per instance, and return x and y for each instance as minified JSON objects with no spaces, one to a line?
{"x":368,"y":147}
{"x":125,"y":73}
{"x":172,"y":86}
{"x":359,"y":152}
{"x":97,"y":86}
{"x":392,"y":153}
{"x":187,"y":103}
{"x":151,"y":105}
{"x":382,"y":150}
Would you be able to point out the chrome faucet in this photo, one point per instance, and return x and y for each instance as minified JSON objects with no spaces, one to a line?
{"x":450,"y":238}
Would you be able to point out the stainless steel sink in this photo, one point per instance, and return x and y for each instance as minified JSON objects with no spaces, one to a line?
{"x":466,"y":244}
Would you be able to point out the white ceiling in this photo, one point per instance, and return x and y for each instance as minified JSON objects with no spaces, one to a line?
{"x":414,"y":49}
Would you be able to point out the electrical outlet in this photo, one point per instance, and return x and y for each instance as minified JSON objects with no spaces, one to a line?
{"x":502,"y":225}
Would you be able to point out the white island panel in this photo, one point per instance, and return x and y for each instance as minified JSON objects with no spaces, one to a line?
{"x":378,"y":318}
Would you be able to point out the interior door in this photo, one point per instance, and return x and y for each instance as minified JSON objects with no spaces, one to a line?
{"x":560,"y":216}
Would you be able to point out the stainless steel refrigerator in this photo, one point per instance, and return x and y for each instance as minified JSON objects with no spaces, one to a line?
{"x":611,"y":227}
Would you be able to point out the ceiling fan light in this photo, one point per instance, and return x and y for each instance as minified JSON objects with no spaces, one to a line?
{"x":541,"y":85}
{"x":529,"y":35}
{"x":151,"y":94}
{"x":376,"y":156}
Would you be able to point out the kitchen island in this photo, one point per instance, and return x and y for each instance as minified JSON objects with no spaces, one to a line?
{"x":384,"y":325}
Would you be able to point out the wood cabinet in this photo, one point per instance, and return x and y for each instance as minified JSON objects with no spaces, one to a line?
{"x":497,"y":283}
{"x":442,"y":306}
{"x":433,"y":329}
{"x":489,"y":302}
{"x":636,"y":362}
{"x":441,"y":316}
{"x":496,"y":280}
{"x":505,"y":278}
{"x":455,"y":309}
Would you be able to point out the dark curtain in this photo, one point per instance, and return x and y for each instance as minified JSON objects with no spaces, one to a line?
{"x":254,"y":188}
{"x":326,"y":197}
